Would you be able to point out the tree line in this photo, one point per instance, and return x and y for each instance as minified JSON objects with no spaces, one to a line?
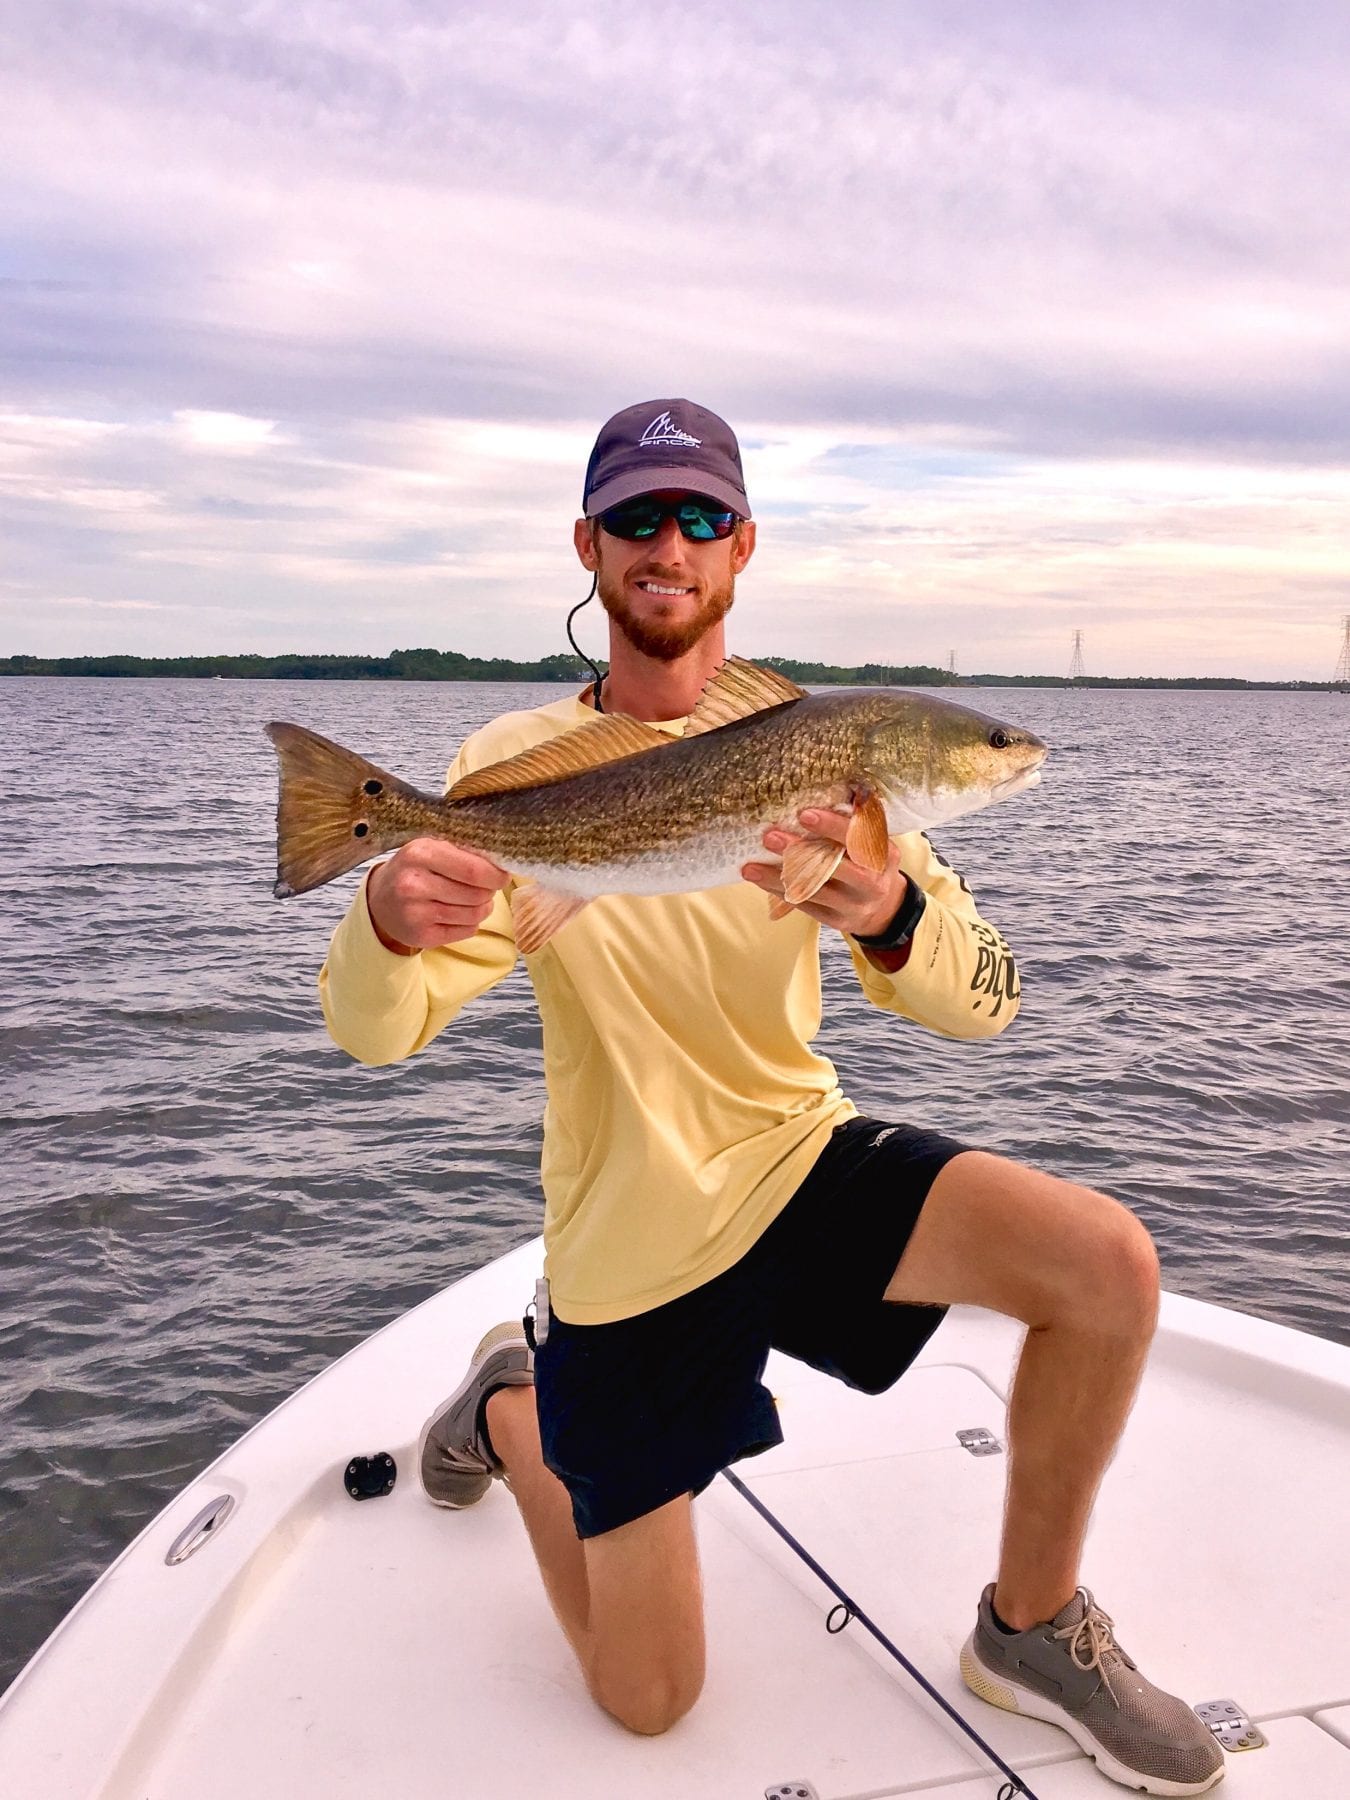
{"x":425,"y":665}
{"x":451,"y":665}
{"x":401,"y":665}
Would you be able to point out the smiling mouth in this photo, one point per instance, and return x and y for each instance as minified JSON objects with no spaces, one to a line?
{"x":663,"y":590}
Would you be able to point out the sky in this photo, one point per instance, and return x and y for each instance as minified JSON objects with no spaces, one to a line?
{"x":1030,"y":319}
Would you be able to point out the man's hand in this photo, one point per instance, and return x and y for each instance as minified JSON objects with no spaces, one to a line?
{"x":431,"y":893}
{"x":860,"y":901}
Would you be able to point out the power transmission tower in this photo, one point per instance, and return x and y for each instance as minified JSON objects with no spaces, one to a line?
{"x":1341,"y":678}
{"x":1076,"y":670}
{"x":951,"y":662}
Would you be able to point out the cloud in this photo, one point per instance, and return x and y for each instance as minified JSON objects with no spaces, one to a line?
{"x":340,"y":293}
{"x":111,"y":605}
{"x":872,"y":547}
{"x":224,"y":430}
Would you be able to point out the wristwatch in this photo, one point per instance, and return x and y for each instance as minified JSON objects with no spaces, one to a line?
{"x":903,"y":926}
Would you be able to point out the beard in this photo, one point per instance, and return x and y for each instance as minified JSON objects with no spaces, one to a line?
{"x":666,"y":639}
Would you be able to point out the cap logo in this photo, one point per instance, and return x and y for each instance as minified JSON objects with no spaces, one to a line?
{"x":663,"y":430}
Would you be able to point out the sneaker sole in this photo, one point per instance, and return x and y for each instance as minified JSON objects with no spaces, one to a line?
{"x":998,"y":1690}
{"x":500,"y":1334}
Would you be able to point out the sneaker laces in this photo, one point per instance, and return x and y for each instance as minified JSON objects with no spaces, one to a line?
{"x":1091,"y":1640}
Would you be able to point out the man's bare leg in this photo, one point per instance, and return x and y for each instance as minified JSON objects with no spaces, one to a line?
{"x":1077,"y":1268}
{"x":1081,"y":1272}
{"x":629,"y":1601}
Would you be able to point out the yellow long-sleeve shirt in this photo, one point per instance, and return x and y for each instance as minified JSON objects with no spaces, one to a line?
{"x":685,"y":1104}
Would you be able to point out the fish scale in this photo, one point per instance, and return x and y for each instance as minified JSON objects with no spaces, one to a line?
{"x":757,"y":771}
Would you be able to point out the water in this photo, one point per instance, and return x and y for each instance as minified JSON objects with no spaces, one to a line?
{"x":206,"y":1201}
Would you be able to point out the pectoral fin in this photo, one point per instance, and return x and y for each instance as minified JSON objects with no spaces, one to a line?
{"x":868,"y":842}
{"x":539,"y":912}
{"x":778,"y":908}
{"x":807,"y":866}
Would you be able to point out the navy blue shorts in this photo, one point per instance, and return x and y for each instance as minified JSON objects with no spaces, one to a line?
{"x":634,"y":1413}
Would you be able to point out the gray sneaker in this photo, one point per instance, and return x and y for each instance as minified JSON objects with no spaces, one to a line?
{"x":453,"y":1456}
{"x":1071,"y":1672}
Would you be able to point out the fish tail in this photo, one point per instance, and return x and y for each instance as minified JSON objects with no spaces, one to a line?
{"x":335,"y":810}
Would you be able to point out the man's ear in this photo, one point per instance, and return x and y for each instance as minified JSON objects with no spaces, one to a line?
{"x":745,"y":546}
{"x":583,"y":536}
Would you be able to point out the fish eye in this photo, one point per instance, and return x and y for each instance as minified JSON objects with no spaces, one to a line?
{"x":361,"y":829}
{"x":999,"y":740}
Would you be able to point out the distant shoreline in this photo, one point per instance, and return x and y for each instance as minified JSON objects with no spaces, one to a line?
{"x":449,"y":665}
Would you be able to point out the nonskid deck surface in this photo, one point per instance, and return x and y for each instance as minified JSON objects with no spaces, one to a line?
{"x":316,"y":1646}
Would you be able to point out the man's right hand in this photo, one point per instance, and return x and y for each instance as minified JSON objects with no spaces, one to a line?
{"x":431,"y":893}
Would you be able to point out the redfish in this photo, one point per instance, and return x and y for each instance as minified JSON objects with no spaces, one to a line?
{"x":618,"y":807}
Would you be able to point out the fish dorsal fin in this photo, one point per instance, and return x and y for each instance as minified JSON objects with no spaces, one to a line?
{"x":738,"y":689}
{"x":585,"y":747}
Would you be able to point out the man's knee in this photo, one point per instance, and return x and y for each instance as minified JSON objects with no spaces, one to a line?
{"x":648,"y":1702}
{"x":1115,"y":1279}
{"x":994,"y":1233}
{"x":645,"y":1656}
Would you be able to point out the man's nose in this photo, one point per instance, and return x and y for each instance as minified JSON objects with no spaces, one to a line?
{"x":668,"y":541}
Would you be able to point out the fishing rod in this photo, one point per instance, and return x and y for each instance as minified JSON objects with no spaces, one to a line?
{"x":1014,"y":1785}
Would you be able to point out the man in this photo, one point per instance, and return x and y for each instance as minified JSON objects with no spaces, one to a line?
{"x":710,"y":1193}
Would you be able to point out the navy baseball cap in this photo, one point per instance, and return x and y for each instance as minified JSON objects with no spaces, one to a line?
{"x":664,"y":444}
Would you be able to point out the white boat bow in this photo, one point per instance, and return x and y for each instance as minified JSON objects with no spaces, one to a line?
{"x":308,"y":1645}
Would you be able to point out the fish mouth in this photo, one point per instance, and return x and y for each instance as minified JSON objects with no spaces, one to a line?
{"x":1013,"y":784}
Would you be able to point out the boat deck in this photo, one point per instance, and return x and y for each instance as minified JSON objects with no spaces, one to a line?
{"x":316,"y":1646}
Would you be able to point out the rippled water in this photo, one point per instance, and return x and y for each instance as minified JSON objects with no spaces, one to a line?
{"x":205,"y":1201}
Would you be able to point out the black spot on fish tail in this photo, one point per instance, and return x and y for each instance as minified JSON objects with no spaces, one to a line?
{"x":326,"y":823}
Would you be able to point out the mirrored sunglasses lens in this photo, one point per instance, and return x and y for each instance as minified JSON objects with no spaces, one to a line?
{"x":643,"y":519}
{"x":703,"y":522}
{"x":632,"y":522}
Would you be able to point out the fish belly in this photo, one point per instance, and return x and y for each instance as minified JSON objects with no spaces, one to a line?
{"x":713,"y":859}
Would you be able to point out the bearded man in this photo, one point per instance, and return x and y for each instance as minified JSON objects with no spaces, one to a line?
{"x":710,"y":1192}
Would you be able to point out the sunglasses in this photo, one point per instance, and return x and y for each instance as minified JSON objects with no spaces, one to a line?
{"x":698,"y":520}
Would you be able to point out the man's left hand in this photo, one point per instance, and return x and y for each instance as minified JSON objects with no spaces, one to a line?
{"x":861,"y":902}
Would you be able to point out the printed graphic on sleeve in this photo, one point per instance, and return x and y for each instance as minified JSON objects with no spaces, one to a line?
{"x":946,"y":865}
{"x":995,"y":978}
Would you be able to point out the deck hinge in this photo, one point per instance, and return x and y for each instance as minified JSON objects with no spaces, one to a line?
{"x":1231,"y":1725}
{"x":980,"y":1441}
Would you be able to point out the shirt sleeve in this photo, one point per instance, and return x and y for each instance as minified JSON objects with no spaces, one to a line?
{"x":960,"y":980}
{"x":380,"y":1006}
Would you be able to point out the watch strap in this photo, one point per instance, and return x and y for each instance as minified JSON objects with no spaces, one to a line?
{"x":902,"y":927}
